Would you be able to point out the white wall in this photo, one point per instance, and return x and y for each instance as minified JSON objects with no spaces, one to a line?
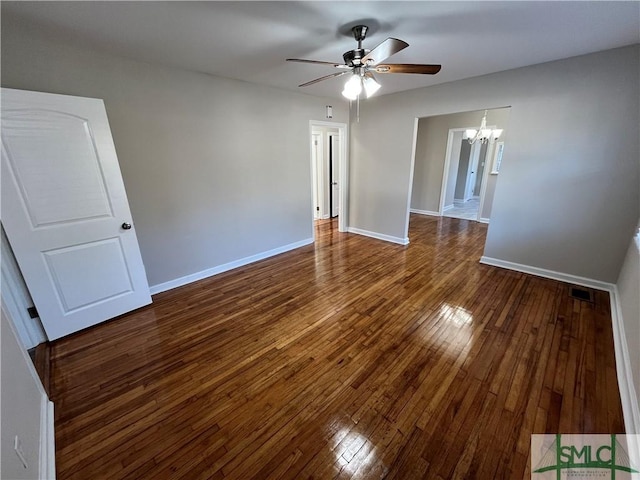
{"x":216,"y":170}
{"x":567,"y":197}
{"x":23,"y":409}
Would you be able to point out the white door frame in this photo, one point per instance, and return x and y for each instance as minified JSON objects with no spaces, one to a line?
{"x":17,"y":299}
{"x":334,"y":161}
{"x":316,"y":178}
{"x":488,"y":158}
{"x":321,"y":170}
{"x":447,"y":163}
{"x":343,"y":171}
{"x":412,"y":167}
{"x":472,"y":170}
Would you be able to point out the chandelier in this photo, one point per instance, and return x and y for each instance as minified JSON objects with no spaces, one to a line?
{"x":483,"y":134}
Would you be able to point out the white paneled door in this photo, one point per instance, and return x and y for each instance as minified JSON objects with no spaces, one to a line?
{"x":65,"y":211}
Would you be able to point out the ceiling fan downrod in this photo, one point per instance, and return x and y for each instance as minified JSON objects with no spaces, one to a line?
{"x":360,"y":33}
{"x":353,"y":57}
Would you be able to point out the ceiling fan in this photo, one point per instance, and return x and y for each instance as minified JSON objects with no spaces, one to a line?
{"x":362,"y":63}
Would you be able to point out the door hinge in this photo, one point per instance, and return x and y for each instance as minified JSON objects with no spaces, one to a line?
{"x":33,"y":313}
{"x":317,"y":209}
{"x":315,"y":142}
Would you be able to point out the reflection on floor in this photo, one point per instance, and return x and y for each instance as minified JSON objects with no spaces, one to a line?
{"x":468,"y":210}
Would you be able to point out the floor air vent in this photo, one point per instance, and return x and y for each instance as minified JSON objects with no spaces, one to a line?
{"x":581,"y":294}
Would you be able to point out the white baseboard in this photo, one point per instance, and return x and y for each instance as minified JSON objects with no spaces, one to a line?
{"x":541,"y":272}
{"x":484,"y":220}
{"x":628,"y":394}
{"x":448,"y":207}
{"x":47,"y":458}
{"x":379,"y":236}
{"x":424,"y":212}
{"x":178,"y":282}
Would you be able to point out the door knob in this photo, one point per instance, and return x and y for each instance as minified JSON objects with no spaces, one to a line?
{"x":126,"y":226}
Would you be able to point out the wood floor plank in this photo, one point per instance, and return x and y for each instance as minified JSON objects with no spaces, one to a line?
{"x":351,"y":358}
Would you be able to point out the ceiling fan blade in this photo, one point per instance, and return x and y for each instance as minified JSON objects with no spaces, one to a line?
{"x":383,"y":51}
{"x":332,"y":64}
{"x":407,"y":68}
{"x":326,"y":77}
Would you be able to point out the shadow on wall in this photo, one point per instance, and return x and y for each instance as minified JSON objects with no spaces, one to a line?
{"x":450,"y":175}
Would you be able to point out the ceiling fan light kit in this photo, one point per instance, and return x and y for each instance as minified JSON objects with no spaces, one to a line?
{"x":361,"y":64}
{"x":370,"y":84}
{"x":353,"y":87}
{"x":360,"y":80}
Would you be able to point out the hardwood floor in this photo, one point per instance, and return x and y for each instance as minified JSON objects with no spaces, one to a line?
{"x":350,"y":358}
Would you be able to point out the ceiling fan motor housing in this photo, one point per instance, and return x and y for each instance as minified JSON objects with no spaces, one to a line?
{"x":353,"y":57}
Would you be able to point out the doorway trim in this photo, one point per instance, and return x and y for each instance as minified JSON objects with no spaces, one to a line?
{"x":317,"y":153}
{"x":334,"y":200}
{"x":343,"y":170}
{"x":412,"y":167}
{"x":16,"y":298}
{"x":447,"y":164}
{"x":474,"y":162}
{"x":491,"y":148}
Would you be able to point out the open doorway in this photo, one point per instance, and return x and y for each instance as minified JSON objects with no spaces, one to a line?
{"x":451,"y":176}
{"x":462,"y":185}
{"x":329,"y":171}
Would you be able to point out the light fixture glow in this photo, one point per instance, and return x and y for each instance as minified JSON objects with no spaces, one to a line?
{"x":359,"y":81}
{"x":353,"y":87}
{"x":483,"y":134}
{"x":349,"y":95}
{"x":370,"y":84}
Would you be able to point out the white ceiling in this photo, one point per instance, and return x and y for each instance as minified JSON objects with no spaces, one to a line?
{"x":250,"y":40}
